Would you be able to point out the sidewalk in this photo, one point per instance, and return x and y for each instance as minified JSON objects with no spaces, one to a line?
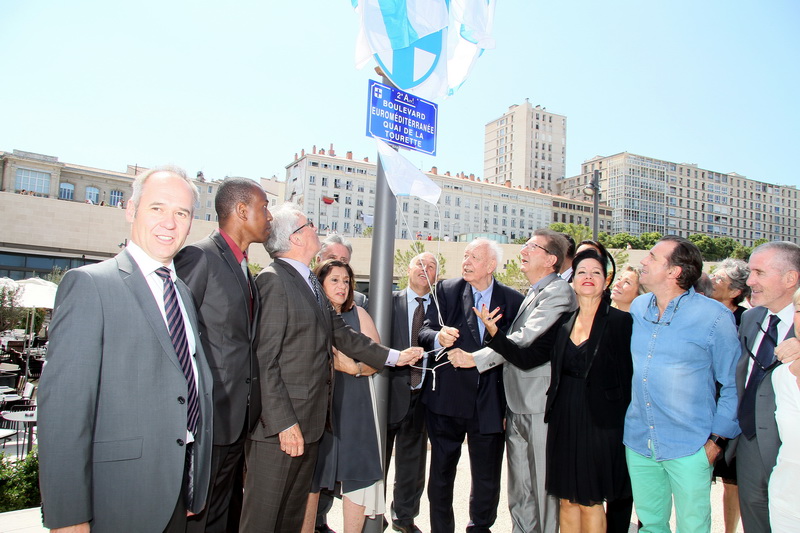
{"x":30,"y":520}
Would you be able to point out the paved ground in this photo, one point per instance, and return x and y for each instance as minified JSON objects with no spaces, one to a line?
{"x":30,"y":521}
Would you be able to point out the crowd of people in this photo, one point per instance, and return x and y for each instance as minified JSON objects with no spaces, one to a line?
{"x":183,"y":394}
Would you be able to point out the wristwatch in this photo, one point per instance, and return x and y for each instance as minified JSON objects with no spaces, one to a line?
{"x":722,"y":442}
{"x":360,"y":369}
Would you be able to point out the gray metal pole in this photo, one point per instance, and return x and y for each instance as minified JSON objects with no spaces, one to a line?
{"x":380,"y":297}
{"x":596,"y":213}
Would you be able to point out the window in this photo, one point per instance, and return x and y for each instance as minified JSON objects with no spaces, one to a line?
{"x":116,"y":197}
{"x":33,"y":181}
{"x":346,"y":212}
{"x":93,"y":195}
{"x":324,"y":181}
{"x":66,"y":191}
{"x":312,"y":179}
{"x":337,"y":183}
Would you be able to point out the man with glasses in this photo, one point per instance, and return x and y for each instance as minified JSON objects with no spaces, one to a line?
{"x":296,"y":333}
{"x":675,"y":428}
{"x":774,"y":277}
{"x":550,"y":296}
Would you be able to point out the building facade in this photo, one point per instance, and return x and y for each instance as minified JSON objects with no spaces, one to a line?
{"x":338,"y":194}
{"x":526,"y":146}
{"x":648,"y":194}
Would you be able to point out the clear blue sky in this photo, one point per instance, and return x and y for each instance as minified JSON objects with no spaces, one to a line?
{"x":236,"y":88}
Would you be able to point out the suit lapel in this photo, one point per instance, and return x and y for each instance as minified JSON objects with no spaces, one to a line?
{"x":596,"y":334}
{"x":307,"y":293}
{"x":561,"y":343}
{"x":227,"y":254}
{"x":134,"y":280}
{"x":401,"y":318}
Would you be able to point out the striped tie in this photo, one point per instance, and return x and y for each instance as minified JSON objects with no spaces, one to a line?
{"x":177,"y":332}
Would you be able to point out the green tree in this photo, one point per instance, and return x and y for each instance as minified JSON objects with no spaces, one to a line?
{"x":759,"y":242}
{"x":254,"y":268}
{"x":741,"y":252}
{"x":367,"y":232}
{"x":512,"y":276}
{"x":55,"y":275}
{"x":403,"y":259}
{"x":622,"y":240}
{"x":650,"y":239}
{"x":724,"y":247}
{"x":11,"y":314}
{"x":578,"y":232}
{"x":706,"y":245}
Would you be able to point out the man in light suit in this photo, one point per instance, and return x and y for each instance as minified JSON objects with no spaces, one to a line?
{"x":774,"y":277}
{"x":406,"y":420}
{"x":461,"y":403}
{"x":297,"y":331}
{"x":227,"y":303}
{"x":125,"y":407}
{"x":550,"y":297}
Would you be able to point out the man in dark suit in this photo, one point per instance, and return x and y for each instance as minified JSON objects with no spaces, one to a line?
{"x":297,"y":330}
{"x":227,"y":303}
{"x":406,"y":423}
{"x":125,"y":407}
{"x":461,"y":402}
{"x":774,"y":277}
{"x":550,"y":297}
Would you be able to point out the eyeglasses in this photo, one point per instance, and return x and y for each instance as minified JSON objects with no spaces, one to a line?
{"x":534,"y":245}
{"x":755,"y":360}
{"x":674,"y":311}
{"x":309,"y":224}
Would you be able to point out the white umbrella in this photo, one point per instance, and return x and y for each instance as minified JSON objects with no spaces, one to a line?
{"x":37,"y":293}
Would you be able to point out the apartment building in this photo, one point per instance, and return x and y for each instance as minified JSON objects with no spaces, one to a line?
{"x":526,"y":146}
{"x":648,"y":194}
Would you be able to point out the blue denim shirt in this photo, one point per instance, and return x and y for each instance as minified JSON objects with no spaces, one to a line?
{"x":676,"y":362}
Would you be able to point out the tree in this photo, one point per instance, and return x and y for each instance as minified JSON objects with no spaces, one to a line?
{"x":11,"y":314}
{"x":622,"y":240}
{"x":367,"y":232}
{"x":55,"y":275}
{"x":705,"y":244}
{"x":403,"y":259}
{"x":513,"y":277}
{"x":650,"y":239}
{"x":255,"y":268}
{"x":577,"y":232}
{"x":724,"y":247}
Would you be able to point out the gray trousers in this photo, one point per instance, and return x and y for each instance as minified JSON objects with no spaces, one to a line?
{"x":753,"y":478}
{"x":532,"y":509}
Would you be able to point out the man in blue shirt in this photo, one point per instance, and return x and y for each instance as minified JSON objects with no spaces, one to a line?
{"x":682,"y":344}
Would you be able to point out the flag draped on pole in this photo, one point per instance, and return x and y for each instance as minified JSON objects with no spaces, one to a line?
{"x":404,"y":178}
{"x":427,"y":47}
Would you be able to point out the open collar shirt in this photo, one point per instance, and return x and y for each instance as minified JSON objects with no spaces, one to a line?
{"x":677,"y":360}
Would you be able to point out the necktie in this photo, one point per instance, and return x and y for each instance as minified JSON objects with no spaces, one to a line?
{"x":315,"y":286}
{"x":416,"y":325}
{"x":481,"y":327}
{"x":177,"y":332}
{"x":764,"y":358}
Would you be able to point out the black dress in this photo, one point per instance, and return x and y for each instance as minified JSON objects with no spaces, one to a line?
{"x":585,"y":462}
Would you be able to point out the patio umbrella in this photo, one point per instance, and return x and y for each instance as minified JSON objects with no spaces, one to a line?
{"x":36,"y":293}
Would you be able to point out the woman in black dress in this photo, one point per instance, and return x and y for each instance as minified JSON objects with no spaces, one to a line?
{"x":589,"y":393}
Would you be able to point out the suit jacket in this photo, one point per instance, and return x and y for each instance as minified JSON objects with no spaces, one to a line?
{"x":464,"y":393}
{"x":112,"y":405}
{"x":526,"y":389}
{"x":221,"y":294}
{"x":766,"y":427}
{"x":610,"y":368}
{"x":400,"y":377}
{"x":294,"y":345}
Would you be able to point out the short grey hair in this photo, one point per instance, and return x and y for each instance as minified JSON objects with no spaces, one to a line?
{"x":285,"y":220}
{"x":141,"y":179}
{"x":556,"y":244}
{"x":788,"y":254}
{"x":335,"y":239}
{"x":737,"y":271}
{"x":494,"y":249}
{"x":415,"y":260}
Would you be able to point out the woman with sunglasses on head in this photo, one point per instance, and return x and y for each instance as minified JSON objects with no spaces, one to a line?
{"x":350,"y":457}
{"x":589,"y":350}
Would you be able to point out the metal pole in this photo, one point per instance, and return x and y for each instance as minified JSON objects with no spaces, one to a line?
{"x":380,"y":298}
{"x":596,"y":218}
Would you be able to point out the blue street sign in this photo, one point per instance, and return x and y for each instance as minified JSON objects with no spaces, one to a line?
{"x":401,"y":118}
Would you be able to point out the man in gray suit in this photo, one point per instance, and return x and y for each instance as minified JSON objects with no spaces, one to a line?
{"x":125,"y":407}
{"x":227,"y":303}
{"x":532,"y":509}
{"x":406,"y":425}
{"x":297,"y":331}
{"x":774,"y":277}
